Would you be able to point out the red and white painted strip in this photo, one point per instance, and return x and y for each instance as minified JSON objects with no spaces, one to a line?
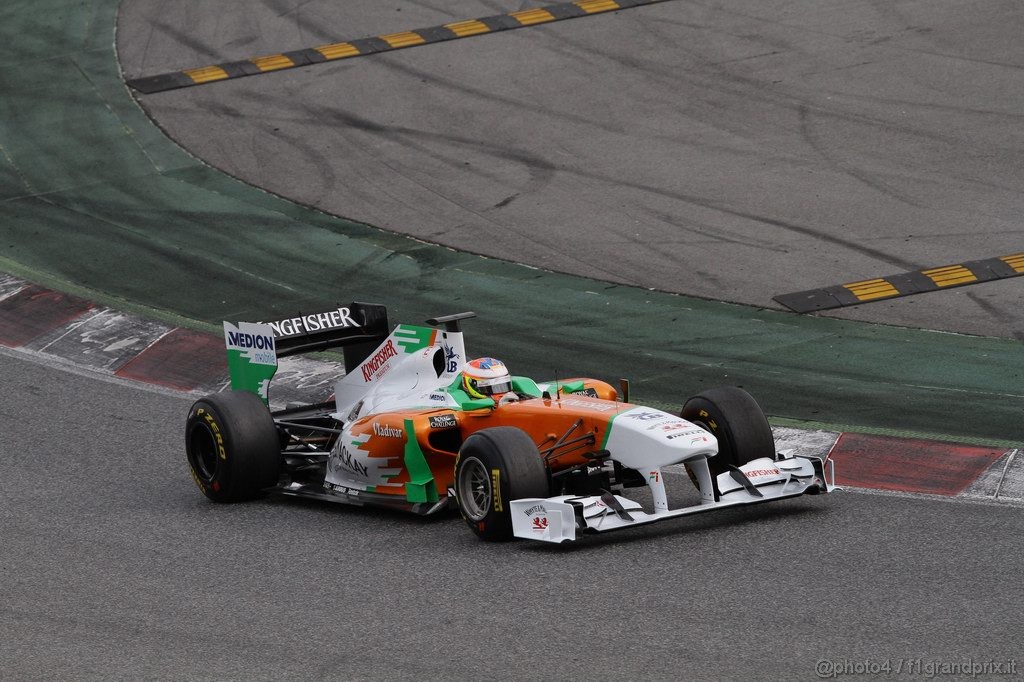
{"x":107,"y":341}
{"x":912,"y":465}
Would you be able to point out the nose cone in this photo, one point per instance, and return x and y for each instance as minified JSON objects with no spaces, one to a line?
{"x":644,"y":437}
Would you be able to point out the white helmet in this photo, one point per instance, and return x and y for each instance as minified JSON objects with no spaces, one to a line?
{"x":486,"y":377}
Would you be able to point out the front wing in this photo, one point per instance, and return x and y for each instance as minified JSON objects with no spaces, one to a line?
{"x":557,"y":519}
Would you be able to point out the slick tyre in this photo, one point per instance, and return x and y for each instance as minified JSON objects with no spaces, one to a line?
{"x":494,"y":467}
{"x":232,"y":446}
{"x":736,"y":420}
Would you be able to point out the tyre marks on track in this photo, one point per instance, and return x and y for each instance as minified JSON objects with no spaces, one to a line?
{"x":385,"y":43}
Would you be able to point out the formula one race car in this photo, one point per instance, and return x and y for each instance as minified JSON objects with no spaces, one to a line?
{"x":413,"y":425}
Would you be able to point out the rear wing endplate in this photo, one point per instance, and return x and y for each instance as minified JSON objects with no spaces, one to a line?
{"x":253,"y":348}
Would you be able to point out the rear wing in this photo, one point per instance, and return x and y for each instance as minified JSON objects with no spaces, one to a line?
{"x":357,"y":328}
{"x":253,"y":348}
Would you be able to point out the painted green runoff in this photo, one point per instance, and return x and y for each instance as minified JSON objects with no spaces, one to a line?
{"x":94,"y":200}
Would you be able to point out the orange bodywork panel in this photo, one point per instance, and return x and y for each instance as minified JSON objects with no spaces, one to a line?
{"x":440,"y":433}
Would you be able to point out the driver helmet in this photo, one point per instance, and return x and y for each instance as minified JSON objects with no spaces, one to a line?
{"x":486,"y":377}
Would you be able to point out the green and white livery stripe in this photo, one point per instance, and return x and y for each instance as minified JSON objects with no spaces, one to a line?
{"x":611,"y":425}
{"x":378,"y":473}
{"x":252,"y":357}
{"x":412,"y":338}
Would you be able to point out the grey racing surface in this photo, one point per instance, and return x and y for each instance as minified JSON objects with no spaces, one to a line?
{"x":116,"y":567}
{"x":729,"y":150}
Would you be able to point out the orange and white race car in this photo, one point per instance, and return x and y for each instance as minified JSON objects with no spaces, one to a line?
{"x":414,"y":425}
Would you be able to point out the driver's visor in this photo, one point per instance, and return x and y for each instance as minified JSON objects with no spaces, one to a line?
{"x":494,"y":386}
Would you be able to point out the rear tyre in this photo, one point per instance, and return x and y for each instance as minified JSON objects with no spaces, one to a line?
{"x":736,"y":420}
{"x":232,"y":445}
{"x":494,"y":467}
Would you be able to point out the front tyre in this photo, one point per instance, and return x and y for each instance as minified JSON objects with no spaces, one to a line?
{"x":736,"y":420}
{"x":494,"y":467}
{"x":232,"y":446}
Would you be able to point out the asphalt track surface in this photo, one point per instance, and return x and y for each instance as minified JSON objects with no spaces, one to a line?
{"x":95,"y":200}
{"x":728,"y":150}
{"x":116,"y":567}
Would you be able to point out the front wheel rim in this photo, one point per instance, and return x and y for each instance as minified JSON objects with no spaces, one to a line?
{"x":474,"y":487}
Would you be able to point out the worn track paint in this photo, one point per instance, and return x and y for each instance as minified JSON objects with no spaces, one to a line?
{"x":908,"y":465}
{"x":183,"y":359}
{"x":33,"y":311}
